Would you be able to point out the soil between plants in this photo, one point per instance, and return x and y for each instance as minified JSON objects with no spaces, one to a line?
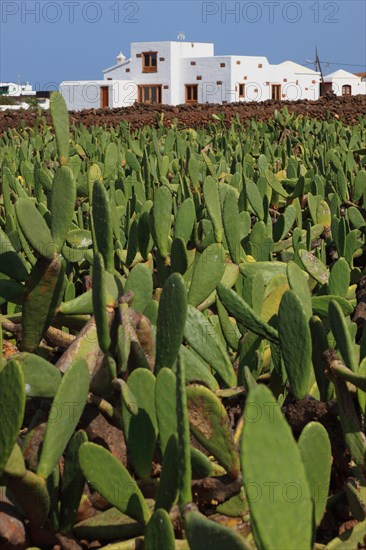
{"x":347,"y":109}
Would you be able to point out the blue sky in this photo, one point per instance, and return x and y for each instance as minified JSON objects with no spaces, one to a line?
{"x":47,"y":41}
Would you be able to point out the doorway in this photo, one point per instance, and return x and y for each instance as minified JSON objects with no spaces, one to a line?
{"x":276,"y":92}
{"x":104,"y":97}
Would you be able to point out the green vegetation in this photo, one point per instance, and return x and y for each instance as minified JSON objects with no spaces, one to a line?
{"x":224,"y":264}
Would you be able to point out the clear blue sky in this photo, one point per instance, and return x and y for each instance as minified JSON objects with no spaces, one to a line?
{"x":48,"y":41}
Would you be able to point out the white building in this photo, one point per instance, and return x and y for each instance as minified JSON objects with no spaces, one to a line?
{"x":188,"y":72}
{"x":16,"y":90}
{"x":345,"y":83}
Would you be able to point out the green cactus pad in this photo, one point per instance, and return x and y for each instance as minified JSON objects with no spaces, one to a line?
{"x":185,"y":219}
{"x":244,"y":314}
{"x":110,"y":161}
{"x":10,"y":291}
{"x":43,"y":294}
{"x":161,"y":219}
{"x":321,"y":305}
{"x":201,"y":464}
{"x":139,"y":281}
{"x":208,"y":270}
{"x":141,"y":430}
{"x":60,"y":121}
{"x":35,"y":228}
{"x":15,"y":465}
{"x":159,"y":532}
{"x":165,"y":405}
{"x":110,"y":525}
{"x":298,"y":283}
{"x":41,"y":377}
{"x":210,"y":425}
{"x":342,"y":336}
{"x":11,"y":263}
{"x":128,"y":398}
{"x":339,"y":278}
{"x":171,"y":321}
{"x":204,"y":534}
{"x":168,"y":483}
{"x":179,"y":256}
{"x":296,"y":352}
{"x":315,"y":437}
{"x":81,"y":305}
{"x":197,"y":369}
{"x":72,"y":482}
{"x":12,"y":397}
{"x":201,"y":335}
{"x":351,"y":426}
{"x":102,"y":224}
{"x":212,"y":201}
{"x":231,"y":219}
{"x":111,"y":479}
{"x":319,"y":345}
{"x":100,"y":303}
{"x":67,"y":407}
{"x":314,"y":266}
{"x":184,"y":454}
{"x":63,"y":197}
{"x":30,"y":491}
{"x":229,"y":329}
{"x":274,"y":477}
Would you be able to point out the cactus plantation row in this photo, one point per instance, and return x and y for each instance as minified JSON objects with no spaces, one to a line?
{"x":188,"y":285}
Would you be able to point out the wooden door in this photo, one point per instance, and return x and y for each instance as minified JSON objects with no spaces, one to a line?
{"x":104,"y":97}
{"x":276,"y":92}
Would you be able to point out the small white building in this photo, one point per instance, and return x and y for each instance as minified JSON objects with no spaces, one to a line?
{"x":94,"y":94}
{"x":188,"y":72}
{"x":345,"y":83}
{"x":16,"y":90}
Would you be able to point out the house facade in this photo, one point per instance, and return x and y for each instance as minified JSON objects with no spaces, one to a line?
{"x":345,"y":83}
{"x":180,"y":72}
{"x":16,"y":90}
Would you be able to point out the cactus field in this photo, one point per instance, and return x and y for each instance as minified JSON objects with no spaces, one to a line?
{"x":183,"y":327}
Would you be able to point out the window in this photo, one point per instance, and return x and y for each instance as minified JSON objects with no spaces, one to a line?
{"x":276,"y":92}
{"x":150,"y":62}
{"x":149,"y":94}
{"x":191,"y":93}
{"x":241,"y":90}
{"x":260,"y":66}
{"x":193,"y":63}
{"x":4,"y":90}
{"x":222,"y":65}
{"x":346,"y":89}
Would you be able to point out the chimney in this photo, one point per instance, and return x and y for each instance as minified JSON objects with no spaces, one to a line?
{"x":120,"y":58}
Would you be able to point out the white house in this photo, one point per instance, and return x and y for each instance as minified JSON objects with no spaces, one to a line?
{"x":188,"y":72}
{"x":345,"y":83}
{"x":15,"y":90}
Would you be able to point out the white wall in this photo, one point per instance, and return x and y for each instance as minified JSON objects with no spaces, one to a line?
{"x":86,"y":94}
{"x":357,"y":86}
{"x":210,"y":73}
